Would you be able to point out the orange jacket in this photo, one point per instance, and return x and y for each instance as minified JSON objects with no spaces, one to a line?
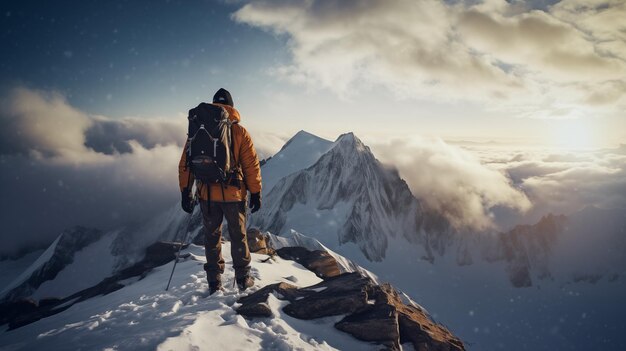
{"x":244,"y":154}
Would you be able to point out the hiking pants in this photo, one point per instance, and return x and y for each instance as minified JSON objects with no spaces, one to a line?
{"x":235,"y":213}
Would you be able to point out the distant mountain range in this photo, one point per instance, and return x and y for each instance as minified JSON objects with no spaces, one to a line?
{"x":348,"y":199}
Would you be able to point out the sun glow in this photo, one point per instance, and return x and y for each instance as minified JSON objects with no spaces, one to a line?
{"x":574,"y":134}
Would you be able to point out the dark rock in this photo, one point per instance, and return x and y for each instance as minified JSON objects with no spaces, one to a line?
{"x":257,"y":242}
{"x":253,"y":310}
{"x":321,"y":304}
{"x":415,"y":325}
{"x":374,"y":313}
{"x":319,"y":262}
{"x":255,"y":304}
{"x":10,"y":311}
{"x":377,"y":323}
{"x":49,"y":301}
{"x":343,"y":294}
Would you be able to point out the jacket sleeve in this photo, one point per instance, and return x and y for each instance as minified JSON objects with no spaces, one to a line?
{"x":249,"y":163}
{"x":185,"y":178}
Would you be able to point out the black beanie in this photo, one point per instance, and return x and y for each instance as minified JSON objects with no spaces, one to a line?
{"x":223,"y":97}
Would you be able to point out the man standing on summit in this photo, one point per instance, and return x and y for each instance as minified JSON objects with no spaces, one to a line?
{"x":220,"y":158}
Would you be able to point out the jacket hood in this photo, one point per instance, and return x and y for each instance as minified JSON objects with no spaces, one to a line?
{"x":233,"y":114}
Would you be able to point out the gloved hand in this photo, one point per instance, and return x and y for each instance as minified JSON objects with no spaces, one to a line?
{"x":255,"y":202}
{"x":186,"y":201}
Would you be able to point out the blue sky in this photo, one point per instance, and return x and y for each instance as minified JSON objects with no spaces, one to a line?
{"x":135,"y":58}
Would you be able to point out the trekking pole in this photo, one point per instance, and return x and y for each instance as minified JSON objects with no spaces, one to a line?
{"x":248,"y":214}
{"x":180,"y":247}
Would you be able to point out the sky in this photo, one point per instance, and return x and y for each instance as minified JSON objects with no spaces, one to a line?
{"x":94,"y":95}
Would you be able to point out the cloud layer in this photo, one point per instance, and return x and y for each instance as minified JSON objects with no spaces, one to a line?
{"x":565,"y":62}
{"x":481,"y":186}
{"x":44,"y":125}
{"x":61,"y":167}
{"x":566,"y":181}
{"x":452,"y":181}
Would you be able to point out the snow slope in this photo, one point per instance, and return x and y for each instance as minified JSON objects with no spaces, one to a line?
{"x":57,"y":257}
{"x":13,"y":268}
{"x":82,"y":257}
{"x":142,"y":316}
{"x":300,"y":152}
{"x":88,"y":267}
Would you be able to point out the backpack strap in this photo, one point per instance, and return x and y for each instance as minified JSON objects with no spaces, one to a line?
{"x":234,"y":163}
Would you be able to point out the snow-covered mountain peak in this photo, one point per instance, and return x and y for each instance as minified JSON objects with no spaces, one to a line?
{"x":303,"y":138}
{"x":301,"y":151}
{"x":350,"y":141}
{"x":347,"y":196}
{"x":350,"y":145}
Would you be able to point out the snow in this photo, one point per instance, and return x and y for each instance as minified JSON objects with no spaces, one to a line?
{"x":300,"y":152}
{"x":346,"y":196}
{"x":89,"y":266}
{"x":279,"y":333}
{"x":293,"y":238}
{"x":142,"y":316}
{"x":12,"y":268}
{"x":45,"y":257}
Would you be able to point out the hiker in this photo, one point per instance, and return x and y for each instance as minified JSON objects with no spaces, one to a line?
{"x":221,"y":159}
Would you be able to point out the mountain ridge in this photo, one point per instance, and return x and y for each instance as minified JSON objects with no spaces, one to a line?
{"x":353,"y":172}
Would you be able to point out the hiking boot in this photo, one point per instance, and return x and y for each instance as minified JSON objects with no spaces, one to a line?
{"x":214,"y":287}
{"x":245,"y":282}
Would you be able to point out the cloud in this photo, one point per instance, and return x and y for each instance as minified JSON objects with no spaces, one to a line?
{"x":110,"y":136}
{"x":37,"y":122}
{"x":602,"y":19}
{"x":527,"y":62}
{"x":452,"y":181}
{"x":592,"y":179}
{"x":485,"y":185}
{"x":45,"y":126}
{"x":561,"y":181}
{"x":539,"y":42}
{"x":61,"y":167}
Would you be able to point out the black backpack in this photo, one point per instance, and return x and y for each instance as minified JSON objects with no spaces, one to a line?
{"x":209,"y":147}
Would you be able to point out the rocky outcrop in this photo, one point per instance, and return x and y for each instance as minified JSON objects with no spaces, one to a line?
{"x":257,"y":242}
{"x":373,"y":313}
{"x":319,"y":262}
{"x":255,"y":305}
{"x":378,"y":323}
